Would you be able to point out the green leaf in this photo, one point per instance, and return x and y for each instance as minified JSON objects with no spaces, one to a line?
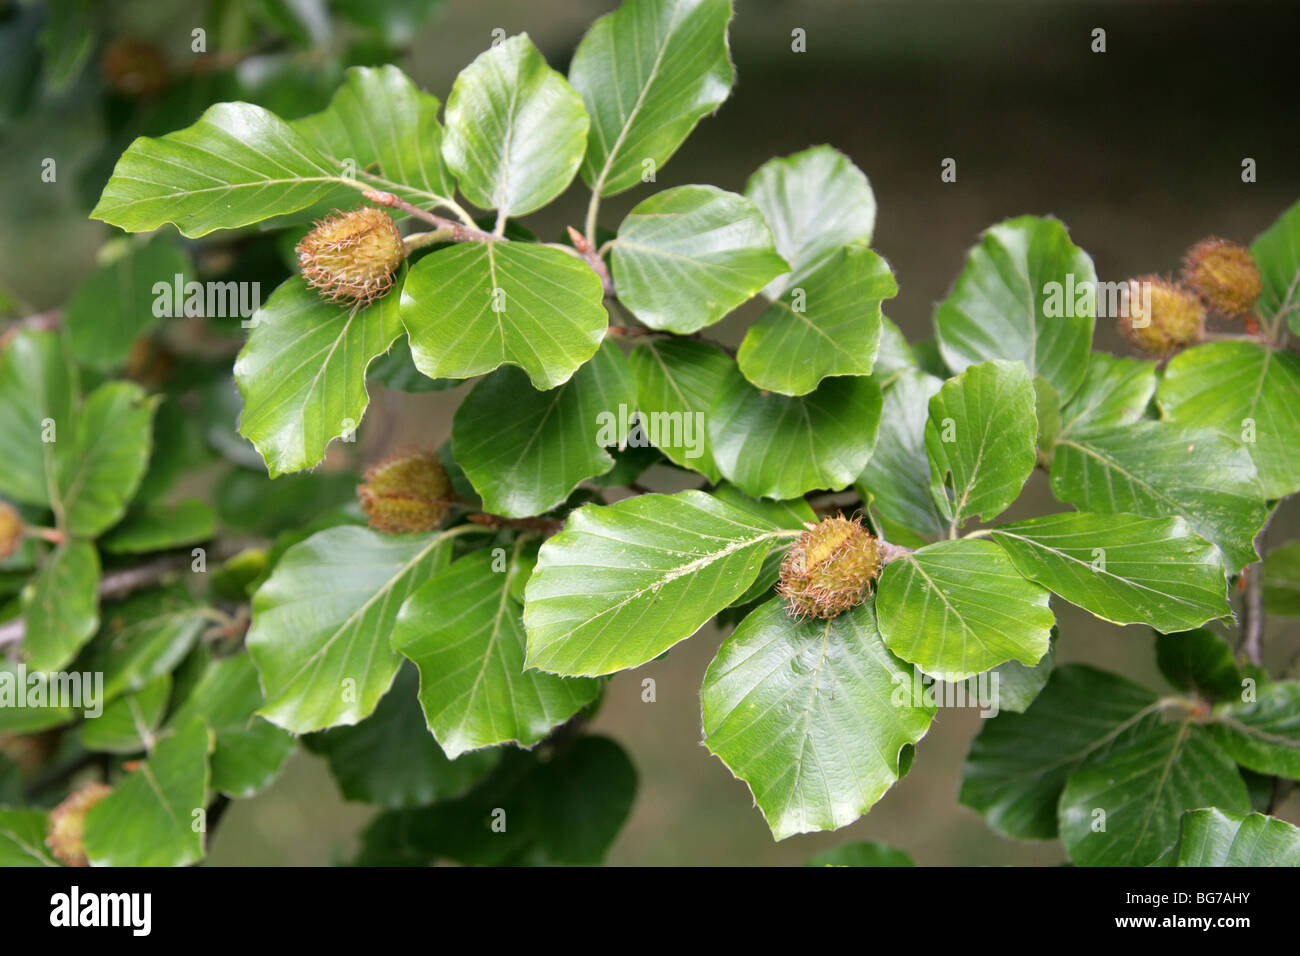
{"x":120,"y":301}
{"x":237,"y":165}
{"x":33,"y":710}
{"x":1143,"y":786}
{"x":392,"y":760}
{"x":477,"y":305}
{"x":1115,"y":391}
{"x":980,"y":438}
{"x":957,"y":608}
{"x":648,"y":72}
{"x":144,"y":637}
{"x":677,"y":382}
{"x":1018,"y":686}
{"x":1263,"y":734}
{"x":150,"y":817}
{"x":1201,"y":662}
{"x":250,"y":501}
{"x":1003,"y":307}
{"x":1018,"y":763}
{"x":895,"y":355}
{"x":623,"y":583}
{"x":395,"y":21}
{"x":1047,"y":408}
{"x":892,"y":481}
{"x":1213,"y":837}
{"x":396,"y":370}
{"x":793,"y":514}
{"x":464,"y":631}
{"x":249,"y":751}
{"x":815,"y":201}
{"x":302,"y":372}
{"x":1162,"y":469}
{"x":686,"y":257}
{"x":516,"y":130}
{"x":525,"y":451}
{"x":862,"y":854}
{"x":1281,"y":575}
{"x":566,"y":810}
{"x":37,"y":392}
{"x":22,"y":838}
{"x":322,"y":622}
{"x":160,"y":527}
{"x":99,"y":473}
{"x":1248,"y":391}
{"x":67,"y":41}
{"x":127,"y":725}
{"x":1276,"y":252}
{"x":827,"y":324}
{"x":62,"y":609}
{"x":813,"y":715}
{"x":834,"y":428}
{"x":388,"y":128}
{"x":1122,"y":568}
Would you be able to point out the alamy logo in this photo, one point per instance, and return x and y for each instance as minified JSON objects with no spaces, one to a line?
{"x":928,"y":691}
{"x":1093,"y":299}
{"x":74,"y":690}
{"x":683,"y":430}
{"x":133,"y":910}
{"x":226,"y":300}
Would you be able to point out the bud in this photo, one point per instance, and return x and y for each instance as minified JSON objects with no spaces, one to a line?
{"x":1177,"y":317}
{"x":1224,"y":275}
{"x":11,"y":531}
{"x":351,"y":256}
{"x":829,"y":569}
{"x":408,"y":492}
{"x":67,"y":826}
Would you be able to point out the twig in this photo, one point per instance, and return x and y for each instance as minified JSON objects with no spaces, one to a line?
{"x":455,"y":231}
{"x":540,"y":525}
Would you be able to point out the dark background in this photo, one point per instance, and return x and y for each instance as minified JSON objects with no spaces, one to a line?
{"x":1137,"y":149}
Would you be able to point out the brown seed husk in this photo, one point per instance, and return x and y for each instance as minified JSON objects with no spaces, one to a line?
{"x":11,"y":531}
{"x":1224,"y":275}
{"x":407,"y":492}
{"x":1177,"y":317}
{"x":351,"y":256}
{"x":67,"y":827}
{"x":829,"y":569}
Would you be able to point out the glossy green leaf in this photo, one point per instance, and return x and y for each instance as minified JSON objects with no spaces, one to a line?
{"x":1201,"y":662}
{"x":248,"y":751}
{"x":980,"y":438}
{"x":1263,"y":734}
{"x":793,"y":514}
{"x":862,"y":854}
{"x":648,"y":72}
{"x":128,"y":724}
{"x":687,"y":256}
{"x":302,"y":372}
{"x":893,"y":481}
{"x":37,"y":391}
{"x":477,"y":305}
{"x":144,"y":637}
{"x":62,"y":608}
{"x":1214,"y":837}
{"x":237,"y":165}
{"x":123,"y":299}
{"x":1018,"y":686}
{"x":1281,"y":574}
{"x":826,"y":324}
{"x":957,"y":608}
{"x":1276,"y":251}
{"x":152,"y":817}
{"x":677,"y":382}
{"x":1122,"y":568}
{"x":322,"y":623}
{"x":1003,"y":307}
{"x":1018,"y":763}
{"x":464,"y":630}
{"x":99,"y":473}
{"x":1143,"y":786}
{"x":392,"y":760}
{"x":835,"y":428}
{"x":1247,"y":391}
{"x":812,"y":715}
{"x":525,"y":451}
{"x":1115,"y":391}
{"x":516,"y":130}
{"x":623,"y":583}
{"x":22,"y":838}
{"x":816,"y":201}
{"x":1159,"y":469}
{"x":160,"y":527}
{"x":565,"y":810}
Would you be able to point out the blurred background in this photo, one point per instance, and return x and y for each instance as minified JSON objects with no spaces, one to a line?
{"x":1138,"y":150}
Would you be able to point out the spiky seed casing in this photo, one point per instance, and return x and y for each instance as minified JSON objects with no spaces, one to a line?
{"x":829,"y":569}
{"x":351,"y":256}
{"x":408,"y":492}
{"x":1176,"y":320}
{"x":11,"y":531}
{"x":67,"y":825}
{"x":1224,"y":275}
